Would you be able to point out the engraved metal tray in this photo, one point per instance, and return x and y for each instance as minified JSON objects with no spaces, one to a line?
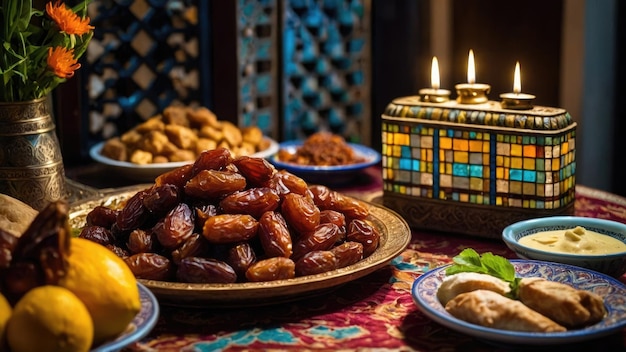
{"x":395,"y":236}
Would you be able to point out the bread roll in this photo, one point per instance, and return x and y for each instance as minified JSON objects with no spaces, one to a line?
{"x":491,"y":309}
{"x":15,"y":215}
{"x":467,"y":281}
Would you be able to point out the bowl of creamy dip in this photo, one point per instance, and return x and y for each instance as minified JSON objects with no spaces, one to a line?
{"x":591,"y":243}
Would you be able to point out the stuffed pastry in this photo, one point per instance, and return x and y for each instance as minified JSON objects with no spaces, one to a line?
{"x":455,"y":284}
{"x":491,"y":309}
{"x":562,"y":303}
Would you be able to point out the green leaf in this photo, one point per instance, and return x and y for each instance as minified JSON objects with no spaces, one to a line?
{"x":487,"y":263}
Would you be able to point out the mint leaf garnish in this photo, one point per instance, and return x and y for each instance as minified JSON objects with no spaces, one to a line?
{"x":487,"y":263}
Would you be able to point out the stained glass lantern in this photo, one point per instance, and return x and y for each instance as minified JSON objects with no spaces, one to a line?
{"x":476,"y":168}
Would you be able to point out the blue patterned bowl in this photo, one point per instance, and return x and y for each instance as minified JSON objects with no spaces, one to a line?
{"x":610,"y":264}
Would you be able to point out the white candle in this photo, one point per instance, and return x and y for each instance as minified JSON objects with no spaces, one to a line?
{"x":434,"y":94}
{"x":434,"y":73}
{"x":471,"y":70}
{"x":517,"y":99}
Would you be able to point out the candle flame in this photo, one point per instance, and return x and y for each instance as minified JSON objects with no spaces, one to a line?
{"x":434,"y":74}
{"x":517,"y":80}
{"x":471,"y":74}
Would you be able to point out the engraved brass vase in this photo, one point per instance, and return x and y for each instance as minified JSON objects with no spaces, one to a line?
{"x":31,"y":164}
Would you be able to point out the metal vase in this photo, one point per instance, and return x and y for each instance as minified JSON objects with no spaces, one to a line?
{"x":31,"y":164}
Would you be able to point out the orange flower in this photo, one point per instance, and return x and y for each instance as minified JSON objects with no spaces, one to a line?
{"x":67,"y":20}
{"x":62,"y":62}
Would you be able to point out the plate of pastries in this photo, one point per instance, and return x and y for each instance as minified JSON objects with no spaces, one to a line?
{"x":231,"y":230}
{"x":549,"y":303}
{"x":174,"y":138}
{"x":324,"y":157}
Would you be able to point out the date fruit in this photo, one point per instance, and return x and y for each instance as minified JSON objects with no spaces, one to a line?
{"x":348,"y":253}
{"x":274,"y":235}
{"x":101,"y":216}
{"x":323,"y":237}
{"x":270,"y":269}
{"x":214,"y":184}
{"x":253,"y":201}
{"x":205,"y":270}
{"x":256,"y":170}
{"x":300,"y":212}
{"x":195,"y":246}
{"x":240,"y":257}
{"x":285,"y":182}
{"x":98,"y":234}
{"x":216,"y":159}
{"x":176,"y":227}
{"x":230,"y":228}
{"x":150,"y":266}
{"x":161,"y":199}
{"x":140,"y":241}
{"x":134,"y":214}
{"x":364,"y":233}
{"x":316,"y":262}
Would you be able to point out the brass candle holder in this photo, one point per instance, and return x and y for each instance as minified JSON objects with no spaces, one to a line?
{"x":471,"y":92}
{"x":431,"y":95}
{"x":517,"y":101}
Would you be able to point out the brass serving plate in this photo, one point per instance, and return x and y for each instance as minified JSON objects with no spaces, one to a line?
{"x":395,"y":236}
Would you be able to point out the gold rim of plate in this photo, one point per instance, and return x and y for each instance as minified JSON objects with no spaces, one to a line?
{"x":395,"y":236}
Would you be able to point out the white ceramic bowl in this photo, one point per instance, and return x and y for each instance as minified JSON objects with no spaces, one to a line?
{"x":610,"y":264}
{"x":148,"y":172}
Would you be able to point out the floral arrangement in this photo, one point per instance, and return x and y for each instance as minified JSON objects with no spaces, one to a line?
{"x":40,"y":49}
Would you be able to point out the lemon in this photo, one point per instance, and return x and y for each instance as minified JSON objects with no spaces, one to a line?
{"x":5,"y":313}
{"x":49,"y":318}
{"x":104,"y":282}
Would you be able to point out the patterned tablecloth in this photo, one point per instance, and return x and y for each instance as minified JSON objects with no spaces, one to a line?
{"x":375,"y":312}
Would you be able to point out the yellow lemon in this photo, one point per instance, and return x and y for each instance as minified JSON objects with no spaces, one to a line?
{"x":5,"y":313}
{"x":103,"y":281}
{"x":49,"y":318}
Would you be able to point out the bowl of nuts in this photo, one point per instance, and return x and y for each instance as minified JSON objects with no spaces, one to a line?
{"x":175,"y":138}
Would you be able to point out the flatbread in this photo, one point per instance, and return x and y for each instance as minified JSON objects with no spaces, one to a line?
{"x":15,"y":215}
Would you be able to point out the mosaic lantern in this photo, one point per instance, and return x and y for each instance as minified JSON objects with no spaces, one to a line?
{"x":476,"y":168}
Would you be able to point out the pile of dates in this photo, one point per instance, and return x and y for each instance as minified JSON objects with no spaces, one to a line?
{"x":225,"y":219}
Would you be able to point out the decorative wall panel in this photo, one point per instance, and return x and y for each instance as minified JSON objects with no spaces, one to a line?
{"x":326,"y":68}
{"x":257,"y":66}
{"x":291,"y":67}
{"x":144,"y":56}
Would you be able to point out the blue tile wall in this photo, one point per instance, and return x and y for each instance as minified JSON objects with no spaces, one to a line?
{"x":302,"y":65}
